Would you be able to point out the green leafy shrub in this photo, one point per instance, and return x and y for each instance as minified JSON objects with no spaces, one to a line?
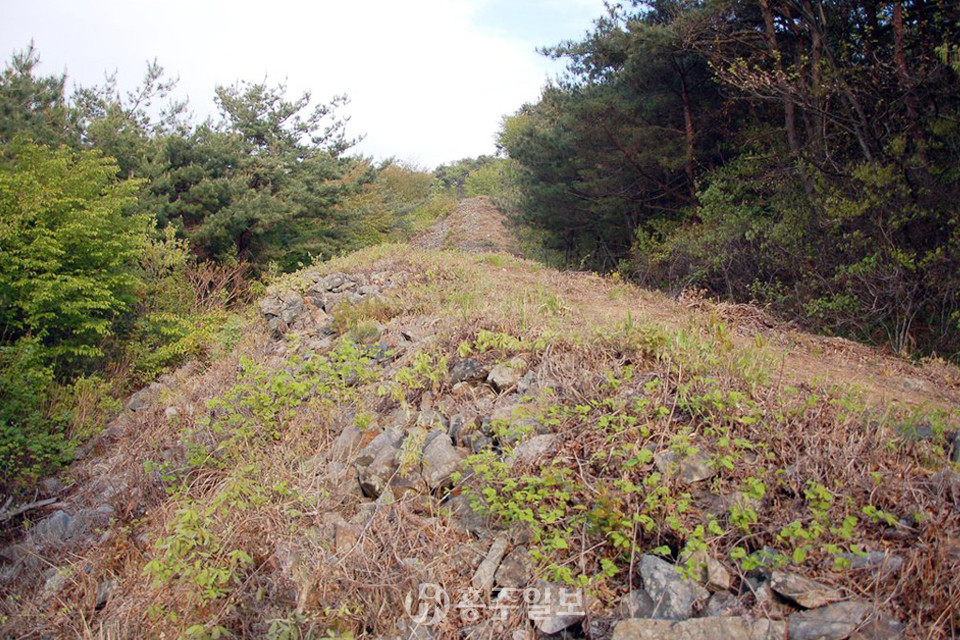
{"x":30,"y":442}
{"x":68,"y":252}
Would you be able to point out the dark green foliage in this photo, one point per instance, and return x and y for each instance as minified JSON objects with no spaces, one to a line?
{"x":29,"y":441}
{"x":30,"y":105}
{"x":259,"y":182}
{"x":803,"y":155}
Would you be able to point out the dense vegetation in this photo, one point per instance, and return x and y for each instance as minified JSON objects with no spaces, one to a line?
{"x":128,"y":233}
{"x":804,"y":155}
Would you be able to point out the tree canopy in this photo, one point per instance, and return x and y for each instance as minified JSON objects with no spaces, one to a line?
{"x":799,"y":154}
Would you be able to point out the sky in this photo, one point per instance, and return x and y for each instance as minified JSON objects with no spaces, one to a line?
{"x":428,"y":80}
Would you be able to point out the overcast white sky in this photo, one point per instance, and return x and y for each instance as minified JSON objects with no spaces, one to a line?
{"x":428,"y":80}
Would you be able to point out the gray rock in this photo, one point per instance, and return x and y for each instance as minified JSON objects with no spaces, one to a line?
{"x":369,"y":291}
{"x":271,"y":305}
{"x":342,"y":480}
{"x":637,"y":604}
{"x":507,"y":375}
{"x":733,"y":628}
{"x":347,"y":444}
{"x":516,"y":570}
{"x":409,"y":485}
{"x":51,"y":485}
{"x":688,"y":470}
{"x":56,"y":580}
{"x":140,"y":400}
{"x":277,"y":328}
{"x":293,"y":307}
{"x":464,"y":517}
{"x":387,"y":439}
{"x":484,"y":576}
{"x":468,"y":370}
{"x":57,"y":529}
{"x":104,"y":590}
{"x":721,"y":604}
{"x":711,"y":572}
{"x":772,"y":604}
{"x":375,"y":476}
{"x":535,"y":448}
{"x":673,"y":595}
{"x":527,"y":383}
{"x":840,"y":620}
{"x":172,"y":414}
{"x":805,"y":593}
{"x":552,"y":614}
{"x":877,"y":562}
{"x":440,"y":460}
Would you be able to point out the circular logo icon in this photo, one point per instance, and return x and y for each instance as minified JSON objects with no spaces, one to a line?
{"x":432,"y":605}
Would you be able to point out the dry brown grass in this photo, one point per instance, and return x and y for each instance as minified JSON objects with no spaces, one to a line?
{"x":812,"y":428}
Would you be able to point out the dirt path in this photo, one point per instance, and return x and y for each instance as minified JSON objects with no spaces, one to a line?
{"x":475,"y":225}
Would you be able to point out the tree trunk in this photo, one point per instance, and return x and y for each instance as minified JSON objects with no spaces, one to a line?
{"x":790,"y":109}
{"x":903,"y":74}
{"x":690,"y":135}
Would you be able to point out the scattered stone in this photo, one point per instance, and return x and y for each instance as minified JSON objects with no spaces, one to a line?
{"x":56,"y":529}
{"x":347,"y":443}
{"x":139,"y":400}
{"x":534,"y":449}
{"x":689,"y":469}
{"x":104,"y":590}
{"x":468,"y":370}
{"x":637,"y":604}
{"x":51,"y":486}
{"x":878,"y":562}
{"x":375,"y":476}
{"x":172,"y":414}
{"x":946,"y":484}
{"x":466,"y":518}
{"x":516,"y":570}
{"x":840,"y":620}
{"x":711,"y":573}
{"x":410,"y":485}
{"x":802,"y":591}
{"x":56,"y":579}
{"x":507,"y":375}
{"x":341,"y":479}
{"x":527,"y":383}
{"x":483,"y":578}
{"x":345,"y":536}
{"x":773,"y":605}
{"x":721,"y":604}
{"x":673,"y":595}
{"x":914,"y":384}
{"x":553,"y":613}
{"x":387,"y":439}
{"x":440,"y":460}
{"x":734,"y":628}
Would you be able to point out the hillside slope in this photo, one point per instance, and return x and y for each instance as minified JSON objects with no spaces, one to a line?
{"x":410,"y":416}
